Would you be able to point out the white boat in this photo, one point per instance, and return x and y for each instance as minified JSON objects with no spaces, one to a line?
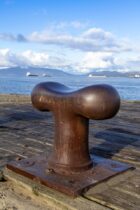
{"x":137,"y":76}
{"x":97,"y":76}
{"x":29,"y":74}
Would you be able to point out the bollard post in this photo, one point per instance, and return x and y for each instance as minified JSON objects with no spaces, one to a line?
{"x":71,"y":169}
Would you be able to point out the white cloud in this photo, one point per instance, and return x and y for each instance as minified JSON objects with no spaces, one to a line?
{"x":98,"y":33}
{"x":31,"y":58}
{"x":86,"y":62}
{"x":92,"y":40}
{"x":98,"y":60}
{"x":5,"y":56}
{"x":11,"y":37}
{"x":72,"y":24}
{"x":129,"y":63}
{"x":25,"y":58}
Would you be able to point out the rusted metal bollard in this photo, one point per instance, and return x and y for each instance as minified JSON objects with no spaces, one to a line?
{"x":70,"y":168}
{"x":72,"y":110}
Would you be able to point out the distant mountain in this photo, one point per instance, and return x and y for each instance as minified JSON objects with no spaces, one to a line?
{"x":21,"y":72}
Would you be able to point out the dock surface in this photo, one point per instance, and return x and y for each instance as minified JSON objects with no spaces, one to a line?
{"x":25,"y":132}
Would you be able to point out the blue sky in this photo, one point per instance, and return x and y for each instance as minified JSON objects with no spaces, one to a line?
{"x":74,"y":35}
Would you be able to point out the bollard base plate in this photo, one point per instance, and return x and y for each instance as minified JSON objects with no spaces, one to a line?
{"x":74,"y":184}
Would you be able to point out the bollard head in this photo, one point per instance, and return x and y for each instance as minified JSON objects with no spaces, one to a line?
{"x":94,"y":102}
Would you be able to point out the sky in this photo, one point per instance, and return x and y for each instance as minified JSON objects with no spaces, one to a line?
{"x":77,"y":36}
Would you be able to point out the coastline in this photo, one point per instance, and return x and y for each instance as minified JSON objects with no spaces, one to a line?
{"x":24,"y":98}
{"x":14,"y":98}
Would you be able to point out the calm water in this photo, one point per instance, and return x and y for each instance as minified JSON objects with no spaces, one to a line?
{"x":128,"y":88}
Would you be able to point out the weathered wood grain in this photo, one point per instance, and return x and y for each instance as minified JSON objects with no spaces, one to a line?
{"x":25,"y":132}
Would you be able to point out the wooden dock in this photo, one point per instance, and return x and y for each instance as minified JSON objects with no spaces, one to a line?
{"x":25,"y":132}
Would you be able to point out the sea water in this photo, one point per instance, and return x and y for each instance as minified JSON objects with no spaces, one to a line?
{"x":128,"y":88}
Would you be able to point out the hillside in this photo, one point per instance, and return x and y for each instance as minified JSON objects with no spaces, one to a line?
{"x":21,"y":72}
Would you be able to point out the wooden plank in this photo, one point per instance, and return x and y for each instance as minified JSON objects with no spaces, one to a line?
{"x":31,"y":132}
{"x":119,"y":193}
{"x":52,"y":198}
{"x":131,"y":186}
{"x":116,"y":200}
